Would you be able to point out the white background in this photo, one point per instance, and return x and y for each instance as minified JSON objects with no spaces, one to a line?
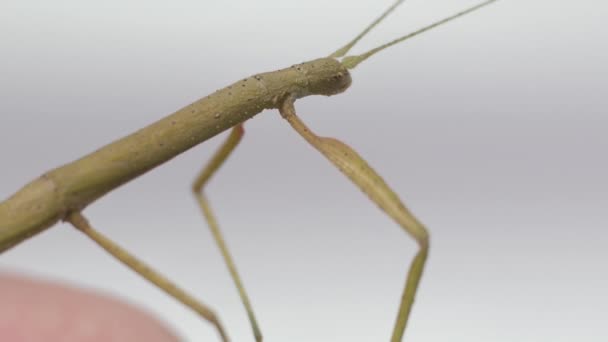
{"x":492,"y":128}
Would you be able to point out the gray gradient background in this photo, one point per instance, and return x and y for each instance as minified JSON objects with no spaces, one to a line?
{"x":492,"y":129}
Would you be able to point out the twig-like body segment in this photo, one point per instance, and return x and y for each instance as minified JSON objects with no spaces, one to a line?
{"x":71,"y":187}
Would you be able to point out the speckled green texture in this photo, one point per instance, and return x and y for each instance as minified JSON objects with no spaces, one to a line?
{"x":48,"y":199}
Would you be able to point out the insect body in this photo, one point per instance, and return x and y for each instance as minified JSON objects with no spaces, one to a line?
{"x":62,"y":193}
{"x":71,"y":187}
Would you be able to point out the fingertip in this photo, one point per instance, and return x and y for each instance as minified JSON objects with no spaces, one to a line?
{"x":37,"y":311}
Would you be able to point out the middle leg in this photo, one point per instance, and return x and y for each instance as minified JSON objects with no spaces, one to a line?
{"x":197,"y":188}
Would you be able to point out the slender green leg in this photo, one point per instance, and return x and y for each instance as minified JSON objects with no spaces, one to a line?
{"x":214,"y":164}
{"x":353,"y":166}
{"x":81,"y":223}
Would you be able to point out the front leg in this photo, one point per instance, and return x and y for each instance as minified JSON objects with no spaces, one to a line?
{"x":360,"y":173}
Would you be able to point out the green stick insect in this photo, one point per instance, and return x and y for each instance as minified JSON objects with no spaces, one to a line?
{"x":63,"y":193}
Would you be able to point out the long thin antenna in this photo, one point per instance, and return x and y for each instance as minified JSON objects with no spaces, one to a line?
{"x":351,"y":62}
{"x":344,"y":50}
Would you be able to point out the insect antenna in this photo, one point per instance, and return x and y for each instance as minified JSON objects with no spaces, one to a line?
{"x":350,"y":62}
{"x":343,"y":50}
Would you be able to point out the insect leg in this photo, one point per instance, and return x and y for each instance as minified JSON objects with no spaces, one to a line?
{"x":197,"y":188}
{"x":354,"y":167}
{"x":81,"y":223}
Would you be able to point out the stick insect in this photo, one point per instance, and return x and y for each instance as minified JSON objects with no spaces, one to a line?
{"x":63,"y":193}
